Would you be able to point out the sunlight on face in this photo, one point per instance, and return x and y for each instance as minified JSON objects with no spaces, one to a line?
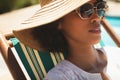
{"x":81,"y":31}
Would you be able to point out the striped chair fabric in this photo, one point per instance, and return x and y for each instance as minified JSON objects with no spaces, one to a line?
{"x":35,"y":64}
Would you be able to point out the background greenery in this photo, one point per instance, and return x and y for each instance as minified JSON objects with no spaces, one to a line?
{"x":8,"y":5}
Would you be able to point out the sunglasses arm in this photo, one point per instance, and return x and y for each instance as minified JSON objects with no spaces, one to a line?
{"x":111,"y":32}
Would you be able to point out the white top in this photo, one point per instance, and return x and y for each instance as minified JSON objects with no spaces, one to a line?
{"x":65,"y":70}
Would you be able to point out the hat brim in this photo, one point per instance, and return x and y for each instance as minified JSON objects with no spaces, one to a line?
{"x":47,"y":14}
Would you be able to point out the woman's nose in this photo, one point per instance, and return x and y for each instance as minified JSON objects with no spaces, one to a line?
{"x":95,"y":18}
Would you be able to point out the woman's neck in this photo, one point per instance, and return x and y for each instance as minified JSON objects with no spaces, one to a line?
{"x":79,"y":51}
{"x":84,"y":57}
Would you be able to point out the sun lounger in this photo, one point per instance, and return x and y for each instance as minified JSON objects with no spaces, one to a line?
{"x":26,"y":63}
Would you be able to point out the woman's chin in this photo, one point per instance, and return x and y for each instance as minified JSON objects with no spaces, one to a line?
{"x":95,"y":41}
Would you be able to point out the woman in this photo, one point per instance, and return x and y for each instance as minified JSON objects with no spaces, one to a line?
{"x":75,"y":33}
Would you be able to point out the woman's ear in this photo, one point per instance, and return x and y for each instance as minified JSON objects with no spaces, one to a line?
{"x":60,"y":23}
{"x":59,"y":26}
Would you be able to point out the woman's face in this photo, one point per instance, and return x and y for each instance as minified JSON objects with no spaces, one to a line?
{"x":77,"y":30}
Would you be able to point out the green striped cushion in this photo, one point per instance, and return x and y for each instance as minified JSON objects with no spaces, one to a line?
{"x":38,"y":63}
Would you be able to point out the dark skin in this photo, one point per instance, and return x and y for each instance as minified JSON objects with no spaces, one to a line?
{"x":90,"y":63}
{"x":81,"y":50}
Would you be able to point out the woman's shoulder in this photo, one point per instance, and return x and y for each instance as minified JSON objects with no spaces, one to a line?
{"x":60,"y":72}
{"x":63,"y":67}
{"x":65,"y":70}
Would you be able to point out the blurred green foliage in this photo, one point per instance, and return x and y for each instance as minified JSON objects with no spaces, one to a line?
{"x":8,"y":5}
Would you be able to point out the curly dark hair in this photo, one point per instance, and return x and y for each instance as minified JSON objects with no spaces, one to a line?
{"x":50,"y":37}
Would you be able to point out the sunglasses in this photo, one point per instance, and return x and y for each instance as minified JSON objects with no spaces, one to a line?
{"x":87,"y":10}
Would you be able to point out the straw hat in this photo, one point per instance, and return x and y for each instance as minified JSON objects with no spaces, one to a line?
{"x":51,"y":10}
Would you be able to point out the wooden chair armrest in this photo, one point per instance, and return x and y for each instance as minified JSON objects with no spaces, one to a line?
{"x":10,"y":59}
{"x":4,"y":46}
{"x":111,"y":32}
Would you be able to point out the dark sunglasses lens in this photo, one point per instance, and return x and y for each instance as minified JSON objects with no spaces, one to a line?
{"x":86,"y":10}
{"x":100,"y":13}
{"x":101,"y":5}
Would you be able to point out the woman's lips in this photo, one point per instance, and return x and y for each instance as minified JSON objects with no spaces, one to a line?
{"x":95,"y":30}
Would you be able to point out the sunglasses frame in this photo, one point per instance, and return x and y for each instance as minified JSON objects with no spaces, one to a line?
{"x":94,"y":9}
